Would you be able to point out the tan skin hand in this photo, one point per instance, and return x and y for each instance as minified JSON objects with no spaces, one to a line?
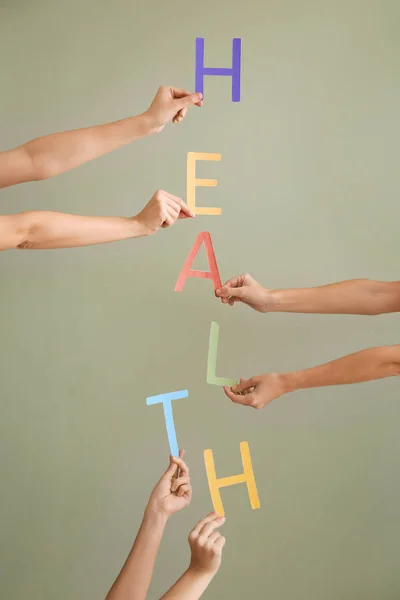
{"x":257,"y":391}
{"x":244,"y":289}
{"x":171,"y":104}
{"x":171,"y":494}
{"x":162,"y":211}
{"x":206,"y":545}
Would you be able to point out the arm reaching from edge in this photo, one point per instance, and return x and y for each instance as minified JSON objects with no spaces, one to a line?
{"x":48,"y":230}
{"x":170,"y":495}
{"x":206,"y":546}
{"x":366,"y":365}
{"x":53,"y":154}
{"x":357,"y":296}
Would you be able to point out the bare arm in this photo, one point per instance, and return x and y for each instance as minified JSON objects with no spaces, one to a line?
{"x":53,"y":154}
{"x":134,"y":580}
{"x":49,"y":230}
{"x":191,"y":586}
{"x":170,"y":495}
{"x":366,"y":365}
{"x":358,"y":296}
{"x":45,"y":230}
{"x":206,"y":545}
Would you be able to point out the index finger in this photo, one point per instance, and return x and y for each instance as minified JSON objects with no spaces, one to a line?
{"x":181,"y":465}
{"x":181,"y":93}
{"x":234,"y":282}
{"x":184,"y":207}
{"x":211,"y":526}
{"x":199,"y":526}
{"x":238,"y":398}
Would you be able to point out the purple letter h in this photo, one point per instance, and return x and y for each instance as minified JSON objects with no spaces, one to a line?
{"x":234,"y":72}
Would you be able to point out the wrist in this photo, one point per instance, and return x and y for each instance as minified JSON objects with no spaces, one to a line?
{"x":272,"y":300}
{"x":291,"y":381}
{"x":149,"y":124}
{"x":137,"y":228}
{"x":155,"y":515}
{"x":201,"y":573}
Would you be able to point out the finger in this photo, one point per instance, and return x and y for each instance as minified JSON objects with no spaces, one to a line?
{"x":173,"y":207}
{"x":228,"y":291}
{"x":198,"y":527}
{"x":171,"y":468}
{"x":211,"y":526}
{"x":181,"y":455}
{"x":190,"y":100}
{"x":213,"y":537}
{"x":176,"y":483}
{"x":180,"y":205}
{"x":244,"y":385}
{"x":182,"y":466}
{"x":173,"y":213}
{"x":168,"y":222}
{"x":179,"y":115}
{"x":184,"y":490}
{"x":220,"y":543}
{"x":238,"y":398}
{"x":237,"y":281}
{"x":179,"y":93}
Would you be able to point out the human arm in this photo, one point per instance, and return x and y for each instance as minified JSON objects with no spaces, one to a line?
{"x":357,"y":296}
{"x":206,"y":545}
{"x":53,"y":154}
{"x":48,"y":230}
{"x":170,"y":495}
{"x":366,"y":365}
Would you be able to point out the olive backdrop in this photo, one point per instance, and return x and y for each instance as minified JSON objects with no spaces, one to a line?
{"x":309,"y":190}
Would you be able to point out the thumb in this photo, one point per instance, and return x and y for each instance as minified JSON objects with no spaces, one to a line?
{"x":169,"y":473}
{"x":226,"y":291}
{"x":189,"y":100}
{"x":244,"y":385}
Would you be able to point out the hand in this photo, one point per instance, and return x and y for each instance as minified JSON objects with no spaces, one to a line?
{"x":172,"y":494}
{"x":206,"y":545}
{"x":258,"y":391}
{"x":170,"y":104}
{"x":162,"y":211}
{"x":244,"y":289}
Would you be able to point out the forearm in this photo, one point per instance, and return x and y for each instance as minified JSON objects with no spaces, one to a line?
{"x":358,"y":296}
{"x":53,"y":154}
{"x":190,"y":586}
{"x":366,"y":365}
{"x":134,"y":579}
{"x":49,"y":230}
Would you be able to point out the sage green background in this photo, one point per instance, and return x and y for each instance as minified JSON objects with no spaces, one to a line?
{"x":309,"y":190}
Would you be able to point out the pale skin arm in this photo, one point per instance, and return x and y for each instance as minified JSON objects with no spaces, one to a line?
{"x":206,"y":545}
{"x":134,"y":580}
{"x":357,"y":296}
{"x":190,"y":586}
{"x":53,"y":154}
{"x":170,"y":495}
{"x":366,"y":365}
{"x":47,"y":230}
